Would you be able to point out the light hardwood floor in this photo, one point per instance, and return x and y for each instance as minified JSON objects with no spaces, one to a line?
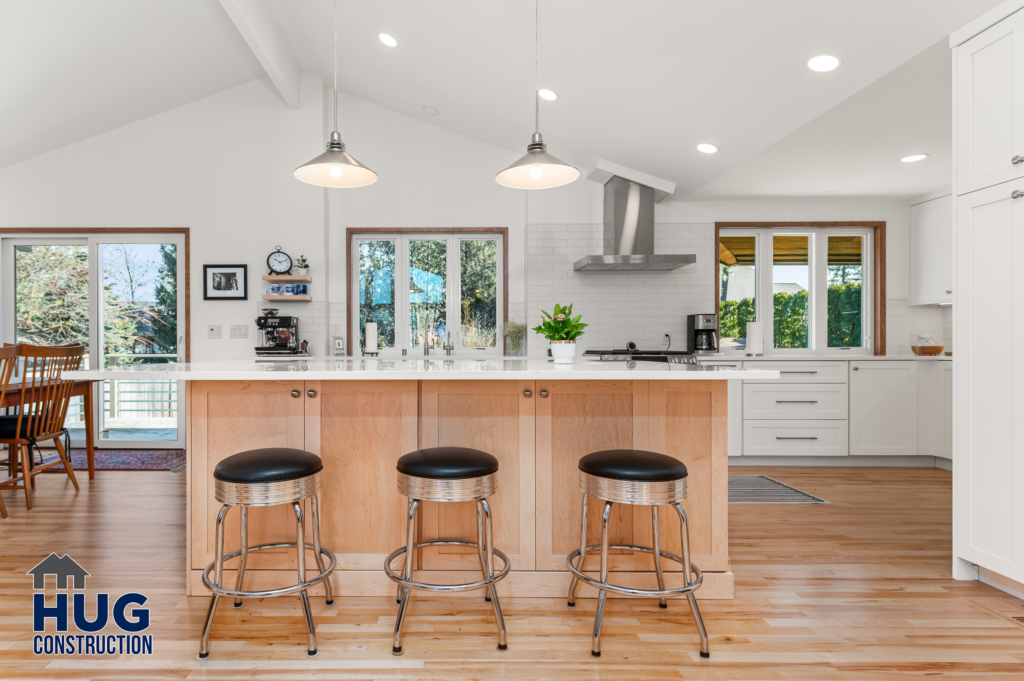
{"x":857,"y":589}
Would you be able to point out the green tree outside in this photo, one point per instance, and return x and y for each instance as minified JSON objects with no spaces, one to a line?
{"x":844,"y":322}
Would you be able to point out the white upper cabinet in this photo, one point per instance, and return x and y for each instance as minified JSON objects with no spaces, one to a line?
{"x":988,"y":368}
{"x":989,"y":89}
{"x":931,"y":252}
{"x":883,"y":408}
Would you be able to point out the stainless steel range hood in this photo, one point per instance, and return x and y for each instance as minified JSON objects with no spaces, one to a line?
{"x":629,"y":232}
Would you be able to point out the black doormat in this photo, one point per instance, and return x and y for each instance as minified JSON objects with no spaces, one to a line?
{"x":760,"y":489}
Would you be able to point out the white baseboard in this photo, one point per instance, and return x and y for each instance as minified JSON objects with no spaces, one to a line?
{"x":848,"y":461}
{"x":1005,"y":584}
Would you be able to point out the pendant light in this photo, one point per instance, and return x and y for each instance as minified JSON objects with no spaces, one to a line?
{"x":334,"y":167}
{"x":538,"y":169}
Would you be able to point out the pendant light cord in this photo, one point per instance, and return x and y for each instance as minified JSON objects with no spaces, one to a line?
{"x":335,"y":65}
{"x":536,"y":66}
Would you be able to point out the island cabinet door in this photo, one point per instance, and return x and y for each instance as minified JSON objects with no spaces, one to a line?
{"x":230,"y":417}
{"x":575,"y":418}
{"x":497,"y":417}
{"x":360,"y":429}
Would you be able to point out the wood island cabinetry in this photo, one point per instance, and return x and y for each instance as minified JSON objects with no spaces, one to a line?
{"x":538,"y":430}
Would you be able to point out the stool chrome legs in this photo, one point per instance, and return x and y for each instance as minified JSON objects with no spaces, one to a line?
{"x":604,"y":586}
{"x":406,"y":592}
{"x":684,"y":537}
{"x":244,"y":557}
{"x":483,"y":510}
{"x":583,"y":551}
{"x":302,"y":586}
{"x":485,"y":551}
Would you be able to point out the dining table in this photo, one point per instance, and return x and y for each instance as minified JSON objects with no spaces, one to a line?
{"x":82,"y":388}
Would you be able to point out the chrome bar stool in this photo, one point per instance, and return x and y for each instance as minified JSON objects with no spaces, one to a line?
{"x":268,"y":477}
{"x":448,"y":474}
{"x":636,"y":477}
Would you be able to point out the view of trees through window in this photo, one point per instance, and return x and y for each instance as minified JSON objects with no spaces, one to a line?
{"x":479,"y":274}
{"x":791,"y":290}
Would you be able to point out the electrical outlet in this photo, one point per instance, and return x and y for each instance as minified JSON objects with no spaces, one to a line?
{"x":335,"y":330}
{"x":213,"y":331}
{"x":239,"y":331}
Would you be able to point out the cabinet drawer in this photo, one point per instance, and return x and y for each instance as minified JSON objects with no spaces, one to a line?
{"x":826,"y":401}
{"x":801,"y":372}
{"x":795,"y":438}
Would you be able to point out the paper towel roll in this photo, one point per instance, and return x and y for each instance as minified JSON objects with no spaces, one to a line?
{"x":371,"y":337}
{"x":755,"y":338}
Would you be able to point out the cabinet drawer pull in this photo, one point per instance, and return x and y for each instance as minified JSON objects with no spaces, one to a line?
{"x":779,"y":437}
{"x":295,"y":393}
{"x":311,"y":393}
{"x":1016,"y":194}
{"x":856,"y":368}
{"x":949,"y":290}
{"x":1017,"y":159}
{"x":796,"y":401}
{"x":527,"y":393}
{"x":543,"y":393}
{"x":798,"y":372}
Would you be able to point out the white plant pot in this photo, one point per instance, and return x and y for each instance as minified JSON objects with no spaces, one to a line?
{"x":302,"y":271}
{"x":563,"y":352}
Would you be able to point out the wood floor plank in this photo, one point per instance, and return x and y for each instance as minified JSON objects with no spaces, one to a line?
{"x":857,"y":589}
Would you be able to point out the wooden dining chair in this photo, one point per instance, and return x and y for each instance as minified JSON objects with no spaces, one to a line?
{"x":8,"y":363}
{"x":43,"y":406}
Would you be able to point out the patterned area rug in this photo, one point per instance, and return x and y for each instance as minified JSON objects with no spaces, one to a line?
{"x":124,"y":460}
{"x":760,"y":489}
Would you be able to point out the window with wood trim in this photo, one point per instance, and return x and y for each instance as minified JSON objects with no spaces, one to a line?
{"x":816,"y":289}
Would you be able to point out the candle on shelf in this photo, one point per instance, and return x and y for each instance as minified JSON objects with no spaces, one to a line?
{"x":371,"y":337}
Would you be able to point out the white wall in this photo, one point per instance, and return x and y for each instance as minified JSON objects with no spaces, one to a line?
{"x":221,"y":165}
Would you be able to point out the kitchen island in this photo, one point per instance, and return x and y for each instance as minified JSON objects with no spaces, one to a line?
{"x":537,"y":418}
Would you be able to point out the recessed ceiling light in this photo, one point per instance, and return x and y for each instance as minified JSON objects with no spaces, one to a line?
{"x":708,"y":148}
{"x":549,"y":95}
{"x":429,"y":110}
{"x":387,"y":40}
{"x":914,"y":157}
{"x":824,"y":63}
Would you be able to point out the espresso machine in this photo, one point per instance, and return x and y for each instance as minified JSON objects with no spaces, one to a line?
{"x":279,"y":335}
{"x":702,"y":334}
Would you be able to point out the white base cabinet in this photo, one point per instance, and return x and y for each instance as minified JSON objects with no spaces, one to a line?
{"x":883,"y":408}
{"x":795,"y":438}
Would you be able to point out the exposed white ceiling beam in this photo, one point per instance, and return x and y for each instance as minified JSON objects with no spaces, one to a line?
{"x":269,"y":47}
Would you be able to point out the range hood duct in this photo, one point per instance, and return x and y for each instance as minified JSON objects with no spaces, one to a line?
{"x":629,"y":232}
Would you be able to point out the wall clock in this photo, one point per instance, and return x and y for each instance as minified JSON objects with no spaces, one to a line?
{"x":279,"y":262}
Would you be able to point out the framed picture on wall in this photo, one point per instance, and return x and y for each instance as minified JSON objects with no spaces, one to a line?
{"x":225,"y":282}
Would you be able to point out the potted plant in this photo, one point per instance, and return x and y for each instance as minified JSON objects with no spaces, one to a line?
{"x":561,"y":329}
{"x":301,"y":266}
{"x":515,"y":338}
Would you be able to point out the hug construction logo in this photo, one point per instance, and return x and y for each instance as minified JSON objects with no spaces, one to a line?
{"x":70,"y":578}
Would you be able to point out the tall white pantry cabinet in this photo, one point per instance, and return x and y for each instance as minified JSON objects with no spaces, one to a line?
{"x":988,"y":294}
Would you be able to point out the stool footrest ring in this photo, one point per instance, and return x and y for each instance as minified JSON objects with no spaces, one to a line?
{"x":625,"y":590}
{"x":446,"y":587}
{"x":223,"y":591}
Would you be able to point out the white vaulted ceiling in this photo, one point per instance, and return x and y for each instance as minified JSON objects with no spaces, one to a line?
{"x":640,"y":82}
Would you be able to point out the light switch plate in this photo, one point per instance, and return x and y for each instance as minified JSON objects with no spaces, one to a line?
{"x":239,"y":331}
{"x":214,"y":331}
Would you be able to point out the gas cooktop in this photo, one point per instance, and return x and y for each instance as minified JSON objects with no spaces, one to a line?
{"x":636,"y":355}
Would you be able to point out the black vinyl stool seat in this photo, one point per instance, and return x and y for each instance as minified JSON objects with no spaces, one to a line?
{"x":268,"y":477}
{"x":448,"y":463}
{"x":633,"y":464}
{"x":274,"y":464}
{"x":448,"y":474}
{"x":637,"y":478}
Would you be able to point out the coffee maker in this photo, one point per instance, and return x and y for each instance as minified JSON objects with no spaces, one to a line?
{"x":279,"y":335}
{"x":702,"y":334}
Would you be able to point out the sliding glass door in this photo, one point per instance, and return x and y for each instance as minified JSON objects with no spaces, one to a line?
{"x":119,"y":295}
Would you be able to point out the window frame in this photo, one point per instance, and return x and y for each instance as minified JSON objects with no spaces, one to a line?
{"x":453,"y":309}
{"x":873,"y":286}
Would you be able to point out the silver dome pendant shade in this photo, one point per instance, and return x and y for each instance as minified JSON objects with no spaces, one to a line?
{"x":537,"y":169}
{"x":335,"y":168}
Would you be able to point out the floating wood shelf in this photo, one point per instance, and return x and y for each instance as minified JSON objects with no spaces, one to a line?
{"x":289,"y":299}
{"x":288,"y":278}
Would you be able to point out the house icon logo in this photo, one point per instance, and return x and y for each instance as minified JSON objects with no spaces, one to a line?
{"x":61,"y":567}
{"x":53,"y":615}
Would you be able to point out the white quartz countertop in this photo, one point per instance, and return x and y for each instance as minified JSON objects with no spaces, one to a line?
{"x":819,"y":358}
{"x":440,"y":368}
